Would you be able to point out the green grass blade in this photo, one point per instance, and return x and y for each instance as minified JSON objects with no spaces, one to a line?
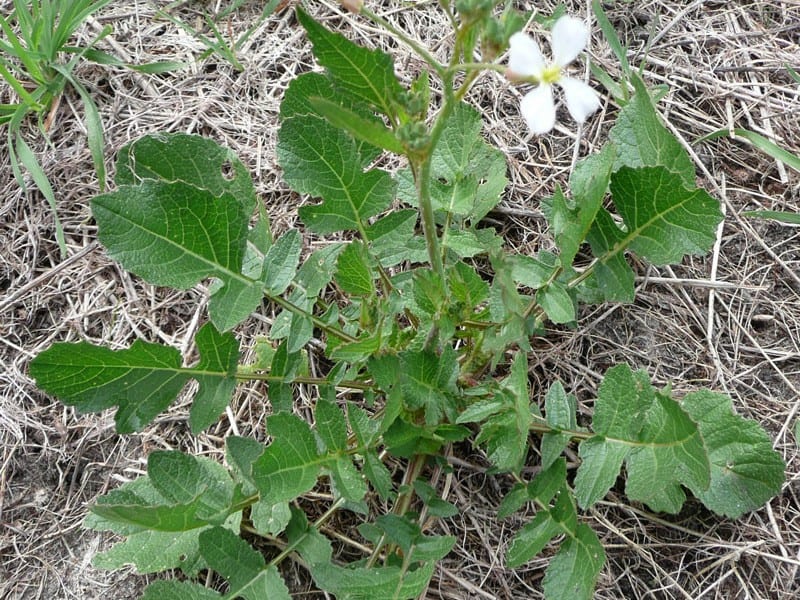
{"x":760,"y":142}
{"x":26,"y":98}
{"x":104,"y":58}
{"x":223,"y":48}
{"x":94,"y":127}
{"x":613,"y":40}
{"x":789,"y":218}
{"x":19,"y":51}
{"x":794,"y":74}
{"x":72,"y":18}
{"x":268,"y":10}
{"x":27,"y":159}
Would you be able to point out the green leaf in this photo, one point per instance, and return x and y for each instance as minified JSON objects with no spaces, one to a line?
{"x":356,"y":351}
{"x":671,"y":452}
{"x":365,"y":74}
{"x":220,"y":354}
{"x":181,"y":477}
{"x":467,"y":243}
{"x":549,"y":521}
{"x":623,"y":399}
{"x":280,"y":262}
{"x":467,"y":287}
{"x":601,"y":462}
{"x":531,"y":539}
{"x":589,"y":182}
{"x":353,"y":272}
{"x":179,"y":590}
{"x":389,"y":236}
{"x":347,"y":481}
{"x":240,"y":454}
{"x":365,"y":130}
{"x":245,"y":569}
{"x":313,"y":547}
{"x":573,"y":572}
{"x":378,"y":475}
{"x":481,"y":410}
{"x":323,"y":161}
{"x":437,"y":507}
{"x":506,"y":433}
{"x":658,"y":441}
{"x":428,"y":382}
{"x":532,"y":272}
{"x":270,"y":519}
{"x":612,"y":274}
{"x":142,"y":380}
{"x":156,"y":551}
{"x":376,"y":583}
{"x":513,"y":501}
{"x":192,"y":159}
{"x":473,"y":172}
{"x":142,"y":516}
{"x":290,"y":464}
{"x":548,"y":482}
{"x":560,"y":410}
{"x":664,"y":219}
{"x":556,"y":303}
{"x":643,"y":141}
{"x":297,"y":100}
{"x":331,"y":425}
{"x":285,"y":365}
{"x":175,"y":234}
{"x":745,"y":471}
{"x":180,"y":493}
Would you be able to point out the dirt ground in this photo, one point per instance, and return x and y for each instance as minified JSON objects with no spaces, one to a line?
{"x":729,"y":321}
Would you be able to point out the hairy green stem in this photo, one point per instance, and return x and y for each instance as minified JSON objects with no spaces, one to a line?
{"x":318,"y":381}
{"x":316,"y":525}
{"x":291,"y":307}
{"x":480,"y":66}
{"x":403,"y":501}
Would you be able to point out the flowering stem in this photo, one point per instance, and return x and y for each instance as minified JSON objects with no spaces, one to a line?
{"x":477,"y":67}
{"x":422,"y":175}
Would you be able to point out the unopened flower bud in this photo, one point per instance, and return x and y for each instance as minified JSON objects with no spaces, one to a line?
{"x":354,"y":6}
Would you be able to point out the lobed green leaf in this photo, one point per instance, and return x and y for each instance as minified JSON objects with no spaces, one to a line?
{"x":179,"y":590}
{"x":244,"y":568}
{"x":323,"y":161}
{"x":642,"y":140}
{"x":745,"y":471}
{"x":290,"y":464}
{"x":573,"y":571}
{"x":365,"y":74}
{"x":141,"y":380}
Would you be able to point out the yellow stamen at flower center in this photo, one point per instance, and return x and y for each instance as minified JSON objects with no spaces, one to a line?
{"x":551,"y":74}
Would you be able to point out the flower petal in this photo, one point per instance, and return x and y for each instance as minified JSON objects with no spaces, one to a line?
{"x":581,"y":99}
{"x":538,"y":109}
{"x":525,"y":58}
{"x":569,"y":38}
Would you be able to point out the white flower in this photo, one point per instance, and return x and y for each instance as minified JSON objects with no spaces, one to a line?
{"x":527,"y":63}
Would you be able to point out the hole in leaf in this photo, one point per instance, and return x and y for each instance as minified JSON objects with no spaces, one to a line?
{"x":227,"y":170}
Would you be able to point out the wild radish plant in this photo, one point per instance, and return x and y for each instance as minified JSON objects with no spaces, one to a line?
{"x":426,"y":343}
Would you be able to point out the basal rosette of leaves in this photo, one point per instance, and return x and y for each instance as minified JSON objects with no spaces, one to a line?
{"x":431,"y":306}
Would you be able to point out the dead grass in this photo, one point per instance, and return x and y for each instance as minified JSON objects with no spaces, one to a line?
{"x":730,"y":321}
